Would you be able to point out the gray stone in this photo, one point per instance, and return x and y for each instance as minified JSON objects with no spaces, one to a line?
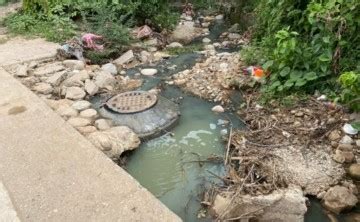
{"x":67,"y":111}
{"x":175,"y":45}
{"x":43,"y":88}
{"x":89,"y":113}
{"x":48,"y":69}
{"x":90,"y":87}
{"x":21,"y":71}
{"x":86,"y":129}
{"x":76,"y":78}
{"x":111,"y":68}
{"x":184,"y":32}
{"x":149,"y":72}
{"x":354,"y":171}
{"x":283,"y":205}
{"x":334,"y":135}
{"x":113,"y":142}
{"x":206,"y":40}
{"x":104,"y":80}
{"x":75,"y":93}
{"x":346,"y":140}
{"x":57,"y":78}
{"x":218,"y":109}
{"x":219,"y":17}
{"x":234,"y":36}
{"x":145,"y":56}
{"x":79,"y":122}
{"x":81,"y":105}
{"x":338,"y":199}
{"x":74,"y":64}
{"x":102,"y":124}
{"x":124,"y":59}
{"x":234,"y":28}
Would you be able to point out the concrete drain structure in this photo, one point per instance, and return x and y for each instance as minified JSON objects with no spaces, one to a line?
{"x":147,"y":114}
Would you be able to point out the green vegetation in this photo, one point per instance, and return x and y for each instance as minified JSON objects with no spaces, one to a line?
{"x":58,"y":20}
{"x":306,"y":44}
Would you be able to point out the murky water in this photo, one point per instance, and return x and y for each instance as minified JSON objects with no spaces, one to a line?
{"x":175,"y":166}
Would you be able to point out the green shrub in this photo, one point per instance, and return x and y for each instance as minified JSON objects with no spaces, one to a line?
{"x":305,"y":44}
{"x":350,"y":94}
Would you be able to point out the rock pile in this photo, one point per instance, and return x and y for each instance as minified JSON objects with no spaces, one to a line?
{"x":66,"y":86}
{"x":212,"y":79}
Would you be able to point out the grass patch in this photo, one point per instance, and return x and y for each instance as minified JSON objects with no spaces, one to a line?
{"x":185,"y":49}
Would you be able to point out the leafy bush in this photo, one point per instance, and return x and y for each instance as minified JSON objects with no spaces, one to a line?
{"x":305,"y":44}
{"x":350,"y":94}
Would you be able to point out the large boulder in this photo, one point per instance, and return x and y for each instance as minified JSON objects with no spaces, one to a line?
{"x":281,"y":206}
{"x":338,"y":199}
{"x":75,"y":93}
{"x":185,"y":32}
{"x":113,"y":142}
{"x":354,"y":171}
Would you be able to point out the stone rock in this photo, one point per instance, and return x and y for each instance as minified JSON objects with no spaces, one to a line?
{"x":342,"y":156}
{"x":102,"y":124}
{"x":74,"y":64}
{"x":124,"y":59}
{"x":81,"y":105}
{"x":76,"y":78}
{"x":352,"y":217}
{"x":79,"y":122}
{"x":218,"y":109}
{"x":149,"y":72}
{"x":283,"y":206}
{"x":234,"y":28}
{"x":234,"y":36}
{"x":89,"y":113}
{"x":75,"y":93}
{"x":334,"y":135}
{"x":175,"y":45}
{"x":209,"y":47}
{"x":104,"y":80}
{"x":161,"y":55}
{"x":90,"y":87}
{"x":338,"y":199}
{"x":145,"y":56}
{"x":48,"y":69}
{"x":86,"y":129}
{"x":357,"y":142}
{"x":43,"y":88}
{"x":111,"y":68}
{"x":219,"y":17}
{"x":184,"y":32}
{"x":56,"y":104}
{"x":56,"y":78}
{"x":21,"y":71}
{"x":206,"y":40}
{"x":346,"y":140}
{"x":113,"y":142}
{"x":354,"y":171}
{"x":67,"y":111}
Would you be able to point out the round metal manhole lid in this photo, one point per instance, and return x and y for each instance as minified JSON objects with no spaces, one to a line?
{"x":132,"y":102}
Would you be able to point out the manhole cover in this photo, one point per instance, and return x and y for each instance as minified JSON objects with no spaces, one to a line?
{"x":131,"y":102}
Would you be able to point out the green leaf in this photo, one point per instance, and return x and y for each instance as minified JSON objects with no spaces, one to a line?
{"x":326,"y":39}
{"x":356,"y":125}
{"x":300,"y":82}
{"x":268,"y":64}
{"x":275,"y":84}
{"x":285,"y":71}
{"x":288,"y":84}
{"x":324,"y":58}
{"x":310,"y":76}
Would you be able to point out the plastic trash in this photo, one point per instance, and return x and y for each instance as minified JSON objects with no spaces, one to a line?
{"x":255,"y":72}
{"x":72,"y":48}
{"x":349,"y":129}
{"x":90,"y":39}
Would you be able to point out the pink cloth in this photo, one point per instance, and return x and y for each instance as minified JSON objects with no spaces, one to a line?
{"x":89,"y":40}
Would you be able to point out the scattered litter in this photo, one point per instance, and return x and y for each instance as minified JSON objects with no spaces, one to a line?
{"x":143,"y":32}
{"x":322,"y":98}
{"x":349,"y":129}
{"x":90,"y":41}
{"x":72,"y":48}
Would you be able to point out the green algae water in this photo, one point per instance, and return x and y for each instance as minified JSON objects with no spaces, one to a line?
{"x":175,"y":166}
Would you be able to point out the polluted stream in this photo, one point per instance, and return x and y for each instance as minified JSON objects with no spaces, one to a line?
{"x":181,"y":163}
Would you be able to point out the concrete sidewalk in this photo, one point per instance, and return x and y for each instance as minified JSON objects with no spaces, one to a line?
{"x":52,"y":173}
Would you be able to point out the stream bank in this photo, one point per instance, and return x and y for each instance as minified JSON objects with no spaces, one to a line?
{"x":162,"y":165}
